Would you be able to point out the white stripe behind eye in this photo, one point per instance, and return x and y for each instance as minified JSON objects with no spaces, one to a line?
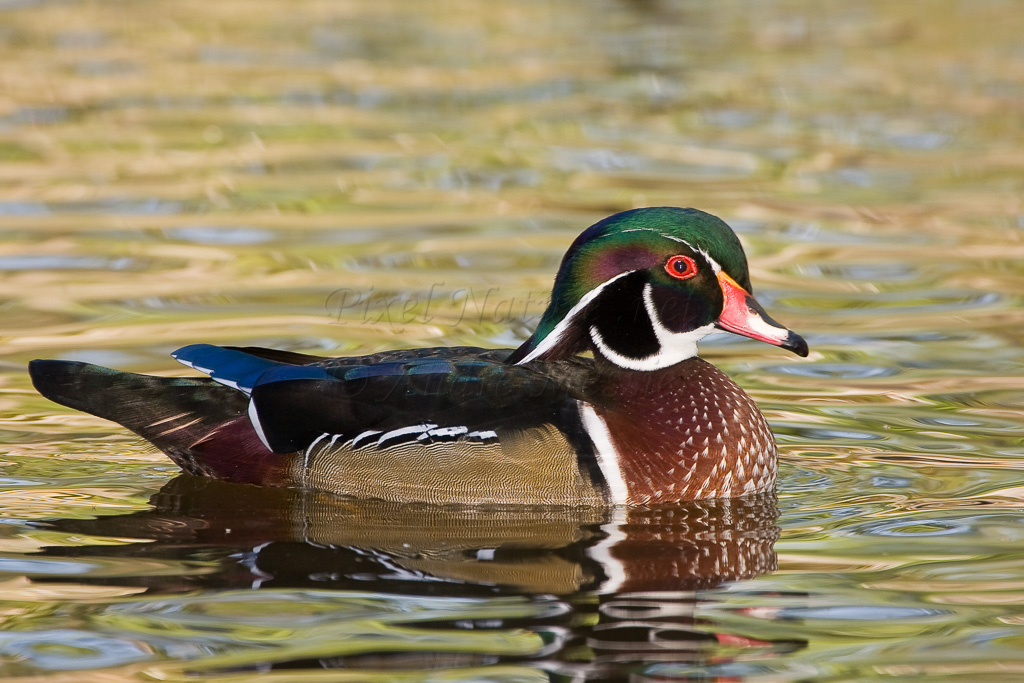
{"x":555,"y":335}
{"x":714,"y":264}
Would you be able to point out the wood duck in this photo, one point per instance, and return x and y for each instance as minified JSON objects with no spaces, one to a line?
{"x":606,"y":403}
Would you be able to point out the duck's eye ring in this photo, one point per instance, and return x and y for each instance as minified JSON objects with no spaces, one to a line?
{"x":681,"y":267}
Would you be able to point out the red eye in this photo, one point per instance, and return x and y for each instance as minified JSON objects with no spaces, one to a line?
{"x":681,"y":267}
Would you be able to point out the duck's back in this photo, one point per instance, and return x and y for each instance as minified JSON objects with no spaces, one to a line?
{"x":446,"y":425}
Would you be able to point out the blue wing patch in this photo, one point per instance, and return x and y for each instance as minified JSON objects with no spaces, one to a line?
{"x":240,"y":370}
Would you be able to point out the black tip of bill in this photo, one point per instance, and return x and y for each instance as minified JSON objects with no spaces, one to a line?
{"x":795,"y":343}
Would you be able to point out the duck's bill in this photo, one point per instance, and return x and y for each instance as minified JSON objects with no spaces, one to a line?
{"x":741,"y":314}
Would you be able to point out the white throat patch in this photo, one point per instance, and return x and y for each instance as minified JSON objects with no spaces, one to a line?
{"x":673,"y":347}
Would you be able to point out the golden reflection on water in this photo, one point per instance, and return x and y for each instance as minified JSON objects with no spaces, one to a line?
{"x":176,"y":172}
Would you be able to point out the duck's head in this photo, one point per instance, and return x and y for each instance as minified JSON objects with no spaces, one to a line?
{"x":642,"y":287}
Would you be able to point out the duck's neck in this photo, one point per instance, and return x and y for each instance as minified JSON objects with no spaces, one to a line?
{"x":680,"y":433}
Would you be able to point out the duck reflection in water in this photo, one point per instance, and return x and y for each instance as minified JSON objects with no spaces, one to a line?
{"x":635,"y":571}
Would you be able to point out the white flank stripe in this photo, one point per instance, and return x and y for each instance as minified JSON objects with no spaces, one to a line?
{"x":556,"y":334}
{"x":447,"y":431}
{"x":607,"y":456}
{"x":255,"y":420}
{"x":483,"y":436}
{"x":396,"y":433}
{"x":309,"y":449}
{"x":364,"y":436}
{"x":309,"y":453}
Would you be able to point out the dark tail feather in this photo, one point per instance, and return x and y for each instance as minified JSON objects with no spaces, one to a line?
{"x":201,"y":425}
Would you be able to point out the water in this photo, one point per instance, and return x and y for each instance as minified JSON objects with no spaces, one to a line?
{"x":352,"y":177}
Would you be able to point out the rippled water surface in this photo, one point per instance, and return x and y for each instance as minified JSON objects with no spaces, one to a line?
{"x":347,"y":177}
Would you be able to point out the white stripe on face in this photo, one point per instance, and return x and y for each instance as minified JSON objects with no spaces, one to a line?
{"x":673,"y":347}
{"x":553,"y":337}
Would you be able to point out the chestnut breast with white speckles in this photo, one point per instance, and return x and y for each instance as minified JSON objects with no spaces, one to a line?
{"x":685,"y":432}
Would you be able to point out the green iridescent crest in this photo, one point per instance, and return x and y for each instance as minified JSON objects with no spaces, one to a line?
{"x":636,"y":240}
